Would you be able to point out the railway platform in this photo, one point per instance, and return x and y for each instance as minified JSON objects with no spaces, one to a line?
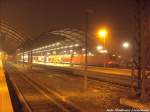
{"x":114,"y":71}
{"x":5,"y":100}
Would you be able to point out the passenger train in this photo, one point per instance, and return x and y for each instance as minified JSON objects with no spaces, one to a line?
{"x":92,"y":60}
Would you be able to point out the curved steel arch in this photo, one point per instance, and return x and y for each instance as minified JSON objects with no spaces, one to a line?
{"x":72,"y":34}
{"x":67,"y":42}
{"x":63,"y":35}
{"x":76,"y":32}
{"x":13,"y":34}
{"x":4,"y":23}
{"x":10,"y":30}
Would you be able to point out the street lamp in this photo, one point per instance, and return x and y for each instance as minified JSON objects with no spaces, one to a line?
{"x":102,"y":34}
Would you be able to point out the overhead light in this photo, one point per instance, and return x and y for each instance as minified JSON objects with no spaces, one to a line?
{"x":83,"y":49}
{"x":57,"y":43}
{"x":70,"y":46}
{"x":76,"y":45}
{"x":126,"y":45}
{"x":71,"y":50}
{"x":113,"y":55}
{"x":99,"y":47}
{"x":74,"y":53}
{"x":61,"y":47}
{"x":119,"y":56}
{"x":103,"y":51}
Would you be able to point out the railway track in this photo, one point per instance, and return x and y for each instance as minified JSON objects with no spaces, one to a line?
{"x":121,"y":80}
{"x":36,"y":97}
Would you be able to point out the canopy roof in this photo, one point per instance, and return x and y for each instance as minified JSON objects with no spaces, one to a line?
{"x":13,"y":40}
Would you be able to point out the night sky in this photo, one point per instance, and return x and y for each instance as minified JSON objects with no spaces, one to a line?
{"x":33,"y":17}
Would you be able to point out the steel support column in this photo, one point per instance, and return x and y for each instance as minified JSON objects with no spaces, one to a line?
{"x":30,"y":59}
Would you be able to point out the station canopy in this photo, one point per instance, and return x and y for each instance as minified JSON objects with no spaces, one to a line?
{"x":11,"y":40}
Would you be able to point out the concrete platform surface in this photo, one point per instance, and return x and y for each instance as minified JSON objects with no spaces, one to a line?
{"x":5,"y":101}
{"x":136,"y":104}
{"x":114,"y":71}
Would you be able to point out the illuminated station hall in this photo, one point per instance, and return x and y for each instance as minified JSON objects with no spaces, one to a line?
{"x":74,"y":56}
{"x":69,"y":51}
